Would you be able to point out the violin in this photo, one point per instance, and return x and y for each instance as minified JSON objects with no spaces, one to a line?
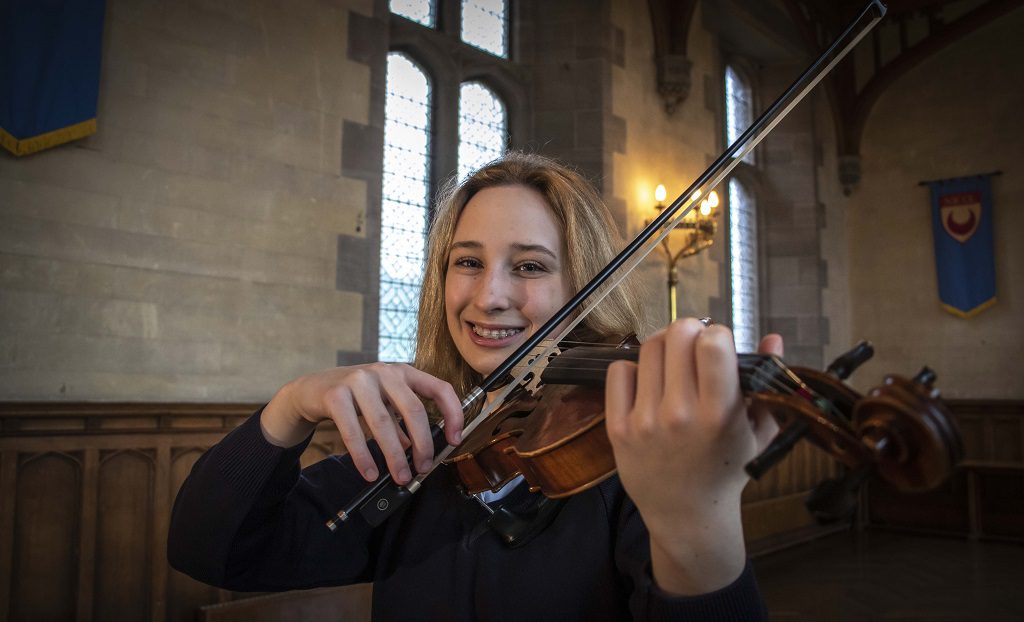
{"x":552,"y":431}
{"x":899,"y":430}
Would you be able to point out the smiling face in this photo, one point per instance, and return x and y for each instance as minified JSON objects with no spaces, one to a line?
{"x":505,"y":274}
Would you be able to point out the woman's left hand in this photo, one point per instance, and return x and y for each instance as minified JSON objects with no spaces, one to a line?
{"x":682,"y":434}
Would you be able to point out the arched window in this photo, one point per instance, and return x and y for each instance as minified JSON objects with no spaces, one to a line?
{"x":484,"y":22}
{"x":404,"y":205}
{"x":419,"y":11}
{"x":485,"y":25}
{"x":439,"y":122}
{"x":743,"y":264}
{"x":482,"y":127}
{"x":739,"y":107}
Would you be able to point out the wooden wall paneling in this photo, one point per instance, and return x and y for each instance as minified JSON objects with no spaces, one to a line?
{"x":8,"y":498}
{"x":972,"y":432}
{"x":1007,"y":440}
{"x":87,"y":493}
{"x":87,"y":535}
{"x":161,"y":523}
{"x":46,"y":537}
{"x":999,"y":499}
{"x":124,"y":534}
{"x":800,"y":469}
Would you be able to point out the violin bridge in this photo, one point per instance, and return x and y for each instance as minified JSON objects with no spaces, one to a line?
{"x":532,"y":381}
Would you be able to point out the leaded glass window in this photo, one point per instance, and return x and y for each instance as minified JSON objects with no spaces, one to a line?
{"x":743,"y":266}
{"x":739,"y":108}
{"x":485,"y":25}
{"x":421,"y":11}
{"x":404,"y":205}
{"x":482,"y":127}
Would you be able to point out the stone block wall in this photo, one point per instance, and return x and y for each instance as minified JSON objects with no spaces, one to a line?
{"x":569,"y":48}
{"x":189,"y":249}
{"x":957,"y":113}
{"x":670,"y":149}
{"x":791,"y":216}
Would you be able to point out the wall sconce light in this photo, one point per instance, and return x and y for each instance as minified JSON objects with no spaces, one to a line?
{"x":697,"y":232}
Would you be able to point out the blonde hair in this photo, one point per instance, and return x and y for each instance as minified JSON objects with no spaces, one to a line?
{"x":591,"y":240}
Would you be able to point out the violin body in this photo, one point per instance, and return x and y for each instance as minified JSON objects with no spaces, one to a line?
{"x":558,"y":443}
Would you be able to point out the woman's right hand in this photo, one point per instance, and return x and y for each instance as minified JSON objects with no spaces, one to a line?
{"x":377,"y":393}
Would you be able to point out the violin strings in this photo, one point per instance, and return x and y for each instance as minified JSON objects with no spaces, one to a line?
{"x":769,"y":379}
{"x":772,"y":380}
{"x":753,"y":371}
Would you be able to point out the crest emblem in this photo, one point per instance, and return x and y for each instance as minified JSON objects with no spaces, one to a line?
{"x":960,"y":214}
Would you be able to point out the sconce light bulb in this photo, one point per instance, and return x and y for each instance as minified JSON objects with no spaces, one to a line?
{"x":695,"y":196}
{"x":659,"y":193}
{"x":705,"y":208}
{"x":713,"y":199}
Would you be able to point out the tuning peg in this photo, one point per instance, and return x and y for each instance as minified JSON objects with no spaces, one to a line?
{"x":925,"y":377}
{"x":781,"y":445}
{"x":845,"y":364}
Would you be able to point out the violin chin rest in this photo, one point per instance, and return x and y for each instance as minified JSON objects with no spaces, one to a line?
{"x":517,"y":528}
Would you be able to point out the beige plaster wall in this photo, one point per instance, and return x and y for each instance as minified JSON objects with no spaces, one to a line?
{"x":958,"y":113}
{"x":188,"y":250}
{"x":665,"y":149}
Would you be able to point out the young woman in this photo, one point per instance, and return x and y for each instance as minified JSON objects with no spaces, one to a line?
{"x":662,"y":539}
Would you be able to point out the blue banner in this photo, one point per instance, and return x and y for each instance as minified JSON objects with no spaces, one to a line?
{"x":49,"y":71}
{"x":964,"y":252}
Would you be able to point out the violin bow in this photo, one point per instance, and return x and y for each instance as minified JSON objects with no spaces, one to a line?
{"x":382,"y":498}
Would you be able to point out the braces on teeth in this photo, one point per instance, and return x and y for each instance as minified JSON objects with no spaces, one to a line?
{"x":495,"y":334}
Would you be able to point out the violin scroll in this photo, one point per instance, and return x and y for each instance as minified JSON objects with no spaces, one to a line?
{"x":900,"y":430}
{"x":912,"y":436}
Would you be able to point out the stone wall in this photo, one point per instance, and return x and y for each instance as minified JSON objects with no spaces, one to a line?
{"x":791,"y":215}
{"x":957,"y":113}
{"x":218,"y":235}
{"x":670,"y":149}
{"x":188,"y":250}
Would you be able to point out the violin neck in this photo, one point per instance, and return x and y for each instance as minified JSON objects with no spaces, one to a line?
{"x":588,"y":366}
{"x":765,"y":372}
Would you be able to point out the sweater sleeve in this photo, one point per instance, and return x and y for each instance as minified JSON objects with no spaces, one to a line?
{"x":739,"y":601}
{"x":247,"y":518}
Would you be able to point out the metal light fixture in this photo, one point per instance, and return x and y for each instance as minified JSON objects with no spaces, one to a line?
{"x":697,"y":231}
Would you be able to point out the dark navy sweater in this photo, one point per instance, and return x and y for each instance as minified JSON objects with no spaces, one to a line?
{"x":247,"y":519}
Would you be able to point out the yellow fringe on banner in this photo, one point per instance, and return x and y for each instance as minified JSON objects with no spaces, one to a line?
{"x":25,"y":146}
{"x":969,"y":314}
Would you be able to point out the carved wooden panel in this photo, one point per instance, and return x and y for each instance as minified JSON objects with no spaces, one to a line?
{"x":123,"y":533}
{"x":46,"y":532}
{"x":86,"y":492}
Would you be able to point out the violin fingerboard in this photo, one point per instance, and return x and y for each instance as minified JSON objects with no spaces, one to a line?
{"x":585,"y":365}
{"x":764,"y":372}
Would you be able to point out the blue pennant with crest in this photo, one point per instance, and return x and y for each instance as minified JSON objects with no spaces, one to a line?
{"x":49,"y":71}
{"x":964,"y":254}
